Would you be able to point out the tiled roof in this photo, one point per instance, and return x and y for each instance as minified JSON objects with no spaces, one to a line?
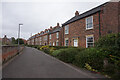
{"x":55,"y":30}
{"x":88,"y":13}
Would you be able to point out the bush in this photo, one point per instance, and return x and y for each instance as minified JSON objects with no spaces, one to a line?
{"x":59,"y":47}
{"x":90,"y":56}
{"x":47,"y":49}
{"x":110,"y":40}
{"x":52,"y":49}
{"x":56,"y":52}
{"x":66,"y":55}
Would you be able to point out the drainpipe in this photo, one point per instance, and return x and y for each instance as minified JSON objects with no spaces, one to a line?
{"x":99,"y":26}
{"x":63,"y":36}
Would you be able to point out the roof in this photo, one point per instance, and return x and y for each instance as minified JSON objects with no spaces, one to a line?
{"x":87,"y":13}
{"x":55,"y":30}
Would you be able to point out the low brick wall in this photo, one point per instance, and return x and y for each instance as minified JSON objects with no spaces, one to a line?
{"x":10,"y":51}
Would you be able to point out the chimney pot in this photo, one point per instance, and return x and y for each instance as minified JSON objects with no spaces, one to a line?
{"x":57,"y":24}
{"x":50,"y":27}
{"x":76,"y":13}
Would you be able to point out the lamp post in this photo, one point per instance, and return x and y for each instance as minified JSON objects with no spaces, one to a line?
{"x":19,"y":35}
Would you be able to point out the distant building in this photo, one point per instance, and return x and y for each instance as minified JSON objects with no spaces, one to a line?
{"x":55,"y":36}
{"x":6,"y":41}
{"x":25,"y":41}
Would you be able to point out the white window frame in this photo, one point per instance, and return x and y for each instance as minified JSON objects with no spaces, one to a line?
{"x":65,"y":42}
{"x":40,"y":43}
{"x":57,"y":43}
{"x":73,"y":42}
{"x":87,"y":23}
{"x":88,"y":36}
{"x":40,"y":38}
{"x":50,"y":36}
{"x":57,"y":35}
{"x":53,"y":43}
{"x":67,"y":29}
{"x":50,"y":44}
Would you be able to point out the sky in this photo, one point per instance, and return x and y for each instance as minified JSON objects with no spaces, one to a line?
{"x":37,"y":15}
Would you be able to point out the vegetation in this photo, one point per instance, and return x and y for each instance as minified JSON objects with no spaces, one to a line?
{"x":66,"y":55}
{"x":20,"y":41}
{"x":104,"y":57}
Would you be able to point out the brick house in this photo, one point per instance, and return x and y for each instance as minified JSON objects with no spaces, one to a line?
{"x":5,"y":41}
{"x":55,"y":36}
{"x":32,"y":40}
{"x":84,"y":29}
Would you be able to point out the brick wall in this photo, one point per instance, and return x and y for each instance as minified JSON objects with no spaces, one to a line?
{"x":109,"y":18}
{"x":77,"y":30}
{"x":10,"y":51}
{"x":54,"y":38}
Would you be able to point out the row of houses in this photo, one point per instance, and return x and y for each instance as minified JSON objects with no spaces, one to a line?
{"x":82,"y":30}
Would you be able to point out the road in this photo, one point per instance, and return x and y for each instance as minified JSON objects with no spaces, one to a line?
{"x":33,"y":63}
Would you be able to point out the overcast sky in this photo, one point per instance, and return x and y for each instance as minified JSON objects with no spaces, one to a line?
{"x":39,"y":15}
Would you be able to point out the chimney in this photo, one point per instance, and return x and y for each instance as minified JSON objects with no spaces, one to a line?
{"x":50,"y":27}
{"x":76,"y":13}
{"x":57,"y":24}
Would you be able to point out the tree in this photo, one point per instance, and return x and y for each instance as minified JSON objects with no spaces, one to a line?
{"x":20,"y":41}
{"x":13,"y":40}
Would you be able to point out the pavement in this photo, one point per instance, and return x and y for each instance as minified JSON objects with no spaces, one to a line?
{"x":33,"y":63}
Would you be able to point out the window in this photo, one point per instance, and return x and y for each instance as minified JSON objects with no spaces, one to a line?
{"x":89,"y":22}
{"x":40,"y":39}
{"x":40,"y":43}
{"x":50,"y":36}
{"x":66,"y":29}
{"x":53,"y":43}
{"x":57,"y":43}
{"x":75,"y":42}
{"x":89,"y":41}
{"x":66,"y":42}
{"x":57,"y":35}
{"x":50,"y":44}
{"x":45,"y":37}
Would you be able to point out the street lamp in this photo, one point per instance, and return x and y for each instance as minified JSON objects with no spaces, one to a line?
{"x":19,"y":37}
{"x":19,"y":33}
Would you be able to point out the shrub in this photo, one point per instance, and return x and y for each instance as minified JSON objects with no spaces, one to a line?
{"x":66,"y":55}
{"x":60,"y":47}
{"x":90,"y":56}
{"x":56,"y":52}
{"x":111,"y":41}
{"x":46,"y":49}
{"x":52,"y":49}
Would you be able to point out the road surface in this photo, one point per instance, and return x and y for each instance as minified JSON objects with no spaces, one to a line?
{"x":33,"y":63}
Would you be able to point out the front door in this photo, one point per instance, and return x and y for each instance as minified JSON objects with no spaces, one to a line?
{"x":75,"y":42}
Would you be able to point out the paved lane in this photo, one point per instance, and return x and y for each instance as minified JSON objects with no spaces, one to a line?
{"x":36,"y":64}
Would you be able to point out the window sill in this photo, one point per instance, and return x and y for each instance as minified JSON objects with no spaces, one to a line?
{"x":66,"y":34}
{"x":89,"y":29}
